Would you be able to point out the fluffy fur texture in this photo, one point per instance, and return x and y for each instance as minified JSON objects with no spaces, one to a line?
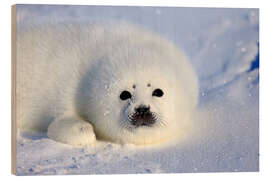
{"x":71,"y":77}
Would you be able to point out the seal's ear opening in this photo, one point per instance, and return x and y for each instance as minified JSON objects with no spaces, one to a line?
{"x":158,"y":93}
{"x":125,"y":95}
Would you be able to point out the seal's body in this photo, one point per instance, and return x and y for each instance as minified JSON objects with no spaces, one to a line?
{"x":114,"y":82}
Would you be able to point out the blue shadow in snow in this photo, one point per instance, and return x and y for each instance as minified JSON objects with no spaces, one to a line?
{"x":255,"y":64}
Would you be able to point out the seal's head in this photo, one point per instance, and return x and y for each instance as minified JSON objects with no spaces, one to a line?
{"x":139,"y":93}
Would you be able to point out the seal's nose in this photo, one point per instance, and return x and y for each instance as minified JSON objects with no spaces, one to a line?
{"x":142,"y":109}
{"x":143,"y":116}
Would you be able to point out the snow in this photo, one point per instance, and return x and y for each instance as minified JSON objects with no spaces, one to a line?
{"x":223,"y":45}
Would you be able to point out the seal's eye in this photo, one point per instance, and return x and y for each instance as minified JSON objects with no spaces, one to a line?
{"x":158,"y":93}
{"x":125,"y":95}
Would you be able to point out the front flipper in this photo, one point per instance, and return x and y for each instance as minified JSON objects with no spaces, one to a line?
{"x":72,"y":130}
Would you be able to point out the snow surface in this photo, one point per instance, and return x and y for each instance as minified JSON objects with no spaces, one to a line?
{"x":223,"y":47}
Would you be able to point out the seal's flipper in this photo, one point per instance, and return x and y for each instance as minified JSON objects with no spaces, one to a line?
{"x":72,"y":130}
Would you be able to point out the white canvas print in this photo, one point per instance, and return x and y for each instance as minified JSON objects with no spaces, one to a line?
{"x":116,"y":89}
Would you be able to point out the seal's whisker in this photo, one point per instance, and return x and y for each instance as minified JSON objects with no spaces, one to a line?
{"x":163,"y":123}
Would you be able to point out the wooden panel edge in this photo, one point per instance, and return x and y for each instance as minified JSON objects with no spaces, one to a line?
{"x":13,"y":91}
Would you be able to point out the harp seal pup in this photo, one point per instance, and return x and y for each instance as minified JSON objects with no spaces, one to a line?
{"x":83,"y":82}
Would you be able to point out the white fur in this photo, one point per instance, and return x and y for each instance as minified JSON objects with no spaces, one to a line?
{"x":71,"y":76}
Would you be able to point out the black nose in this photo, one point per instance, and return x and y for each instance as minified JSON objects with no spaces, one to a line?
{"x":142,"y":109}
